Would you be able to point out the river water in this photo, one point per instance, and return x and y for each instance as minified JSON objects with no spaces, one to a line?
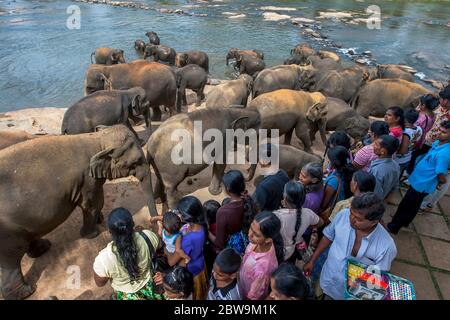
{"x":43,"y":63}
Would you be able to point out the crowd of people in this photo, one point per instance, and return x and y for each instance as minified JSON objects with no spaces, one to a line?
{"x":289,"y":239}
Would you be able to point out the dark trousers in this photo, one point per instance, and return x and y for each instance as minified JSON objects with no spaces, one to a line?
{"x":407,"y":209}
{"x":414,"y":155}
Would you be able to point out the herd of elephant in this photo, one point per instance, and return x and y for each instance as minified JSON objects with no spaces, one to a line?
{"x":42,"y":180}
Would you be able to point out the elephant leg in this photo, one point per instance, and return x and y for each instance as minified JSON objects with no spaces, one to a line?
{"x":214,"y":187}
{"x":159,"y":191}
{"x":13,"y":285}
{"x":91,"y":205}
{"x":156,"y":114}
{"x":288,"y":137}
{"x":38,"y":247}
{"x":173,"y":196}
{"x":147,"y":117}
{"x":302,"y":133}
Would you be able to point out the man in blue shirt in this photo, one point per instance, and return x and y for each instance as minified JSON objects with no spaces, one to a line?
{"x":428,"y":175}
{"x":355,"y":233}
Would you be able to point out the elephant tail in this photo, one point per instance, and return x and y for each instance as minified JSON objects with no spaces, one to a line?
{"x":92,"y":54}
{"x":354,"y":100}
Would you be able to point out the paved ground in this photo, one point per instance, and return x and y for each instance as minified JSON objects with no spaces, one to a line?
{"x":424,"y":251}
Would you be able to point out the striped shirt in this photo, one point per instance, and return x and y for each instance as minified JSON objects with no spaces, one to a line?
{"x":230,"y":292}
{"x":365,"y":156}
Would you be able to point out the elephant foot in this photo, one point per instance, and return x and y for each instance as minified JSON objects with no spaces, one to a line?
{"x":89,"y":233}
{"x":215,"y":190}
{"x":24,"y":291}
{"x":38,"y":248}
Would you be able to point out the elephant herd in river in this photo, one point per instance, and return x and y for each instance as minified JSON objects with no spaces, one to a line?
{"x":42,"y":180}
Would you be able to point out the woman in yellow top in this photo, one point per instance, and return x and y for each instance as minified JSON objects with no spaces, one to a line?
{"x":126,"y":260}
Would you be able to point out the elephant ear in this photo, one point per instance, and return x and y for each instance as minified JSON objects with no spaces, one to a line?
{"x":100,"y":164}
{"x":319,"y":109}
{"x":240,"y":123}
{"x":105,"y":164}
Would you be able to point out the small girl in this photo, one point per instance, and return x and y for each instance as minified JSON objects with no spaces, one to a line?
{"x":311,"y":177}
{"x":395,"y":118}
{"x":178,"y":283}
{"x":171,"y":234}
{"x":262,"y":256}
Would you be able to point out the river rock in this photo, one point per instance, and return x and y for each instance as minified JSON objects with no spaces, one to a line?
{"x":237,"y":16}
{"x":334,"y":15}
{"x":271,"y":8}
{"x":272,"y":16}
{"x":34,"y":120}
{"x":302,"y":20}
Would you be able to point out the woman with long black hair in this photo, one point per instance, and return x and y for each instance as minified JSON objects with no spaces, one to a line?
{"x":194,"y":237}
{"x":262,"y":256}
{"x":294,"y":218}
{"x":337,"y":184}
{"x":234,"y":218}
{"x":126,"y":260}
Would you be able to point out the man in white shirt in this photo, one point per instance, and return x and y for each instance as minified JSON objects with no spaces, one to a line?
{"x":354,"y":233}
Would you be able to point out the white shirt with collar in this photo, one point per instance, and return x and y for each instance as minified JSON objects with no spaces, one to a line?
{"x":378,"y":248}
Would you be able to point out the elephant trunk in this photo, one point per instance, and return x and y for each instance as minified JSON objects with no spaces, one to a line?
{"x":322,"y":123}
{"x":144,"y":175}
{"x":178,"y":100}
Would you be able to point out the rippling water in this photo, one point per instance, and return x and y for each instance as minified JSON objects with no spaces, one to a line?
{"x":42,"y":62}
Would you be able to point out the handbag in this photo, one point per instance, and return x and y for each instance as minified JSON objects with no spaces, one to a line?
{"x":327,"y":212}
{"x":158,"y":261}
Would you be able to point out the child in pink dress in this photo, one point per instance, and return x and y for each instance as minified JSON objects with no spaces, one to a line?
{"x":262,"y":256}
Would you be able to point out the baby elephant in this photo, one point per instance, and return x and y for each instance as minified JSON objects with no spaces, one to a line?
{"x":160,"y":53}
{"x":233,"y":92}
{"x":139,"y":46}
{"x":105,"y":108}
{"x":192,"y":77}
{"x":341,"y":117}
{"x":199,"y":58}
{"x":292,"y":160}
{"x":108,"y":56}
{"x":152,"y":37}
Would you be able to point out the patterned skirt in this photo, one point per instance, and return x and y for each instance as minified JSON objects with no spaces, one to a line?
{"x":200,"y":286}
{"x":145,"y":293}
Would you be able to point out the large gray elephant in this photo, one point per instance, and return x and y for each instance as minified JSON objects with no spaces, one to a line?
{"x":343,"y":118}
{"x":278,"y":77}
{"x":394,"y":71}
{"x":158,"y":81}
{"x":65,"y":172}
{"x":235,"y":53}
{"x":160,"y":53}
{"x":191,"y":77}
{"x":342,"y":84}
{"x":233,"y":92}
{"x":162,"y":147}
{"x":105,"y":107}
{"x":375,"y":97}
{"x":291,"y":160}
{"x":199,"y":58}
{"x":289,"y":110}
{"x":108,"y":56}
{"x":249,"y":65}
{"x":8,"y":138}
{"x":303,"y":50}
